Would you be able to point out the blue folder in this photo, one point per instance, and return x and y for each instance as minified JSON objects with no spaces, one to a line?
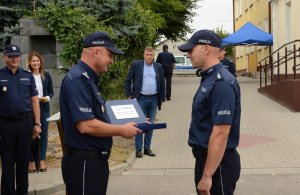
{"x":140,"y":119}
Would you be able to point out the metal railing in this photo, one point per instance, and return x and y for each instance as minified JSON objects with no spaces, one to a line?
{"x":281,"y":57}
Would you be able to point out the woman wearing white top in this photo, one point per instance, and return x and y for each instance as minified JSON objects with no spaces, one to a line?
{"x":43,"y":80}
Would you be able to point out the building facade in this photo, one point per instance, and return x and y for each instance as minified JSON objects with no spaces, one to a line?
{"x":256,"y":12}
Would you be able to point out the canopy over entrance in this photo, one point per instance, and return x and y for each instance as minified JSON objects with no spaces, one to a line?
{"x":249,"y":34}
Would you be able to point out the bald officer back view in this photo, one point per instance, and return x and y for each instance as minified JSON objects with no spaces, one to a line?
{"x":87,"y":129}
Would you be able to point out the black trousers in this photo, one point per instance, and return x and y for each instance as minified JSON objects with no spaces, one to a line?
{"x":15,"y":140}
{"x":227,"y":174}
{"x":168,"y":78}
{"x":84,"y":173}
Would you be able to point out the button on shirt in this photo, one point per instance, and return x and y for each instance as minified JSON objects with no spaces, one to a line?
{"x":149,"y":80}
{"x":16,"y":91}
{"x":81,"y":100}
{"x":216,"y":102}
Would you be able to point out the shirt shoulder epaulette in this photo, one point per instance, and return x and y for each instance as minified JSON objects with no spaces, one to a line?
{"x":219,"y":77}
{"x":85,"y":75}
{"x":25,"y":71}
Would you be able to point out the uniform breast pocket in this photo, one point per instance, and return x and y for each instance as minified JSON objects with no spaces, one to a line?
{"x":25,"y":88}
{"x":101,"y":110}
{"x":5,"y":89}
{"x":201,"y":103}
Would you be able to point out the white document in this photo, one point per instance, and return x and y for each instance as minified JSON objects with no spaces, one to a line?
{"x":124,"y":111}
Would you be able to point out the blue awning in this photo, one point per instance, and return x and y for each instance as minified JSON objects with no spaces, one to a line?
{"x":249,"y":34}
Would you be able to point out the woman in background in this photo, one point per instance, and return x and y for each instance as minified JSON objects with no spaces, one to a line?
{"x":43,"y":80}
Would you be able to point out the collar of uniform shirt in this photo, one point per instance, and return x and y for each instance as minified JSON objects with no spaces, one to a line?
{"x":93,"y":75}
{"x":8,"y":70}
{"x":211,"y":70}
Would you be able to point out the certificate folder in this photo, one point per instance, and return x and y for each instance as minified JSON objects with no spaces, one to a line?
{"x":124,"y":111}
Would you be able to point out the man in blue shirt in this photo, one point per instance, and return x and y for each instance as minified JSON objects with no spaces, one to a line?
{"x":87,"y":129}
{"x":167,"y":60}
{"x":216,"y":111}
{"x":145,"y":82}
{"x":19,"y":121}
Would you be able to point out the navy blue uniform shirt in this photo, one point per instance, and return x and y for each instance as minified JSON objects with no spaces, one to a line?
{"x":216,"y":102}
{"x":166,"y":59}
{"x":16,"y":91}
{"x":229,"y":65}
{"x":80,"y":100}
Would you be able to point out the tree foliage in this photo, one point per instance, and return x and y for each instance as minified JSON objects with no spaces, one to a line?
{"x":132,"y":24}
{"x":222,"y":33}
{"x":176,"y":14}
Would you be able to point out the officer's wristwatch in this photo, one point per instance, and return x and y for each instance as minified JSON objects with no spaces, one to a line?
{"x":38,"y":124}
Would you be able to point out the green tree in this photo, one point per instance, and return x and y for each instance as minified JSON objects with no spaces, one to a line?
{"x":222,"y":33}
{"x":10,"y":13}
{"x":176,"y":14}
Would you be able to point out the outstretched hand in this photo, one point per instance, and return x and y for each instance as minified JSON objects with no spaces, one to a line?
{"x":130,"y":130}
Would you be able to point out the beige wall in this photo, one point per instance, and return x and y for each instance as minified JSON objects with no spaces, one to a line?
{"x":255,"y":11}
{"x":285,"y":26}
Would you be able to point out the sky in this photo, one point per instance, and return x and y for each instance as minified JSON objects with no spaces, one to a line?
{"x":212,"y":14}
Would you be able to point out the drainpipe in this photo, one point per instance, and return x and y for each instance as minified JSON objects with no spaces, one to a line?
{"x":270,"y":31}
{"x":233,"y":20}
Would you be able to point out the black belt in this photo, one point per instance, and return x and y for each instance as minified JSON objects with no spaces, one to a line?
{"x":148,"y":95}
{"x":88,"y":154}
{"x":16,"y":117}
{"x":197,"y":152}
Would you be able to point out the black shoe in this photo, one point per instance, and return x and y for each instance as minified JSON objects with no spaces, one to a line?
{"x":139,"y":154}
{"x":148,"y":152}
{"x":168,"y":99}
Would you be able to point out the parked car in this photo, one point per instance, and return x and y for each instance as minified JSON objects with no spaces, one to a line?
{"x":182,"y":62}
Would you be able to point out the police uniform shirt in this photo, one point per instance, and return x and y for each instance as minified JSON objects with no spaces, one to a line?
{"x":229,"y":65}
{"x":80,"y":100}
{"x":166,"y":59}
{"x":216,"y":102}
{"x":16,"y":91}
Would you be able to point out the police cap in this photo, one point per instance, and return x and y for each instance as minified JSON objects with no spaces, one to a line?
{"x":101,"y":39}
{"x":11,"y":50}
{"x":201,"y":37}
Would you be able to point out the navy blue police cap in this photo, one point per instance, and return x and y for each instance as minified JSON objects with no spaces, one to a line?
{"x":11,"y":50}
{"x":201,"y":37}
{"x":101,"y":39}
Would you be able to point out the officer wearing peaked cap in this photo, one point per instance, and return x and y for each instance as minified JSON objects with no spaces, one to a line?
{"x":88,"y":134}
{"x":216,"y":110}
{"x":19,"y":121}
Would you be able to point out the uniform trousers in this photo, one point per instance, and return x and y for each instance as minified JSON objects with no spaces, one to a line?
{"x":15,"y":142}
{"x":227,"y":174}
{"x":168,"y":74}
{"x":85,"y":172}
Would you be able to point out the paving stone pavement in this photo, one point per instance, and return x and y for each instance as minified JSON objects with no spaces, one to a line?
{"x":269,"y":150}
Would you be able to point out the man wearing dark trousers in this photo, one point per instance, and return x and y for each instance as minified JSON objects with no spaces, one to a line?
{"x":19,"y":121}
{"x":87,"y":129}
{"x":145,"y":82}
{"x":216,"y":111}
{"x":167,"y":60}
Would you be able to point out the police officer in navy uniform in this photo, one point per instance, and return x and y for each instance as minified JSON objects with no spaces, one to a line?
{"x":167,"y":60}
{"x":228,"y":64}
{"x":87,"y":132}
{"x":216,"y":111}
{"x":19,"y":121}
